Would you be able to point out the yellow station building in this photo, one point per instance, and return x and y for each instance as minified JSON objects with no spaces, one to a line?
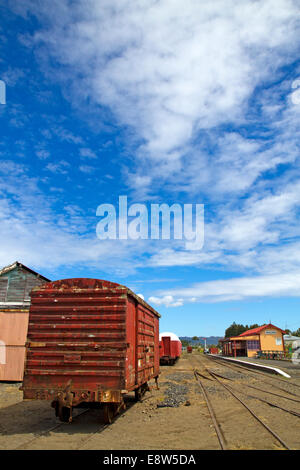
{"x":265,"y":338}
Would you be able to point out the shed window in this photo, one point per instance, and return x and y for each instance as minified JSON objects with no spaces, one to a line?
{"x":253,"y":344}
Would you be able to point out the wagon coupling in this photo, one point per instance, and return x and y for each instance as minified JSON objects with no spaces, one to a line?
{"x":64,"y":404}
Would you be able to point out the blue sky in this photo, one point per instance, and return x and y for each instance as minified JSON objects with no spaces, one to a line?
{"x":163,"y":105}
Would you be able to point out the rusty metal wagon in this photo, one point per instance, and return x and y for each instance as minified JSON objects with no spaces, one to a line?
{"x":89,"y":341}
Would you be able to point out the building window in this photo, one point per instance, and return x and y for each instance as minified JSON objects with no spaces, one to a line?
{"x":254,"y":344}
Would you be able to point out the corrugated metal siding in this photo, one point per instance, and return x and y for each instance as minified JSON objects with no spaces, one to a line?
{"x":3,"y":289}
{"x":147,"y":342}
{"x":131,"y":378}
{"x":16,"y":285}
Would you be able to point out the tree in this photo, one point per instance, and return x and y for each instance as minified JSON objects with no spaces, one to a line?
{"x":195,"y":338}
{"x":236,"y":329}
{"x":296,"y":333}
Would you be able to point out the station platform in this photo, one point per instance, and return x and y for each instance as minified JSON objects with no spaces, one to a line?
{"x":287,"y":366}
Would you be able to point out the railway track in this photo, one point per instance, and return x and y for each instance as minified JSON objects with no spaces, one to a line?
{"x":92,"y":432}
{"x":235,"y":401}
{"x":62,"y":425}
{"x":47,"y":431}
{"x":216,"y":425}
{"x":206,"y":374}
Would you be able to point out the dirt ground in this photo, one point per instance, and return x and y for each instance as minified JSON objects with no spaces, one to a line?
{"x":151,"y":425}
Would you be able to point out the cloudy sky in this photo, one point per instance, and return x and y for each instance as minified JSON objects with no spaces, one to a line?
{"x":164,"y":104}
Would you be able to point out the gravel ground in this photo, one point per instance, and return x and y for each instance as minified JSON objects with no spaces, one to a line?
{"x":144,"y":425}
{"x":175,"y":395}
{"x":182,"y":377}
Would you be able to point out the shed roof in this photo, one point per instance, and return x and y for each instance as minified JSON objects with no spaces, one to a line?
{"x":17,"y":264}
{"x":290,"y":338}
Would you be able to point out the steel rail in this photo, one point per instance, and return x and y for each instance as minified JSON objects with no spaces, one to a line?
{"x":295,"y":413}
{"x":211,"y":412}
{"x":260,"y":389}
{"x":251,"y":412}
{"x":58,"y":425}
{"x":292,"y":412}
{"x":203,"y":376}
{"x":272,"y":393}
{"x":101,"y":428}
{"x":104,"y":426}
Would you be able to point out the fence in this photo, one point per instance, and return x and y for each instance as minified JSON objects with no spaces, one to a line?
{"x":269,"y":354}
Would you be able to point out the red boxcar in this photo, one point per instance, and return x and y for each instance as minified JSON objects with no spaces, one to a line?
{"x":89,"y":340}
{"x":189,"y":349}
{"x":170,"y":348}
{"x":213,"y":350}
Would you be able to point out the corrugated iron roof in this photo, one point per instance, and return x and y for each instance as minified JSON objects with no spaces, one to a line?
{"x":257,"y":330}
{"x":16,"y":264}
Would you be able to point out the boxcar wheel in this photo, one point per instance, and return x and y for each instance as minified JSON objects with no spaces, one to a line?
{"x":108,"y":413}
{"x":55,"y":405}
{"x":138,"y":394}
{"x":65,"y":414}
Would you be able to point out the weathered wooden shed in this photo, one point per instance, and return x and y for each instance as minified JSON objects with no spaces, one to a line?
{"x":16,"y":283}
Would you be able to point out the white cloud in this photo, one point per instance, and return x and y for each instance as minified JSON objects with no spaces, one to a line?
{"x":66,"y":135}
{"x":167,"y":301}
{"x":34,"y":234}
{"x":169,"y":72}
{"x":243,"y":237}
{"x":42,"y":154}
{"x":193,"y":87}
{"x":238,"y":289}
{"x":87,"y":153}
{"x":60,"y":167}
{"x":86,"y":169}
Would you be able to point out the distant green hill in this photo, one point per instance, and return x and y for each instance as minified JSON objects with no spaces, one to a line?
{"x":209,"y":340}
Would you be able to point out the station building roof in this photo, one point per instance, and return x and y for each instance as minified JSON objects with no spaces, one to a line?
{"x":256,"y":331}
{"x":253,"y":332}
